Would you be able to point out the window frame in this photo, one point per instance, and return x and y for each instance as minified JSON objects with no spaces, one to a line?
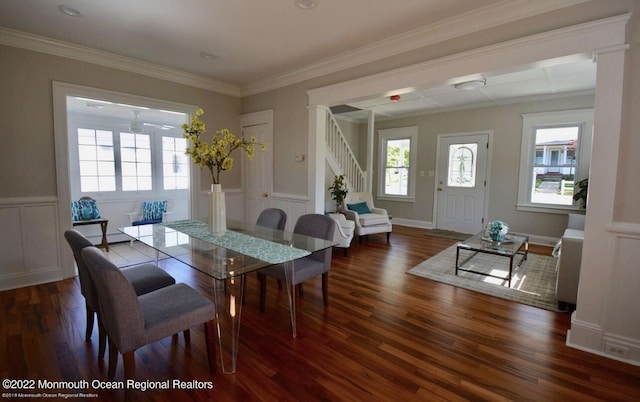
{"x":410,"y":133}
{"x":583,"y":118}
{"x":84,"y":121}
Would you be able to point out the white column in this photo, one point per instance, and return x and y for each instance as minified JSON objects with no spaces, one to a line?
{"x":589,"y":321}
{"x":316,"y":163}
{"x":370,"y":139}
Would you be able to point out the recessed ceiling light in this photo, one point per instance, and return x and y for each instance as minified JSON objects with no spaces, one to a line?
{"x":473,"y":84}
{"x":72,"y":12}
{"x":306,"y":4}
{"x":208,"y":56}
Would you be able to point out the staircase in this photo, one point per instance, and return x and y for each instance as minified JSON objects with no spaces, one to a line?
{"x":340,"y":157}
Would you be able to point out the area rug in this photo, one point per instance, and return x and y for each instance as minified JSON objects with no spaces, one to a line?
{"x":533,"y":283}
{"x":447,"y":234}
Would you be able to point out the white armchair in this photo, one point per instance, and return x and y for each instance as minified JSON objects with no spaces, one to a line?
{"x":359,"y":208}
{"x":344,"y":231}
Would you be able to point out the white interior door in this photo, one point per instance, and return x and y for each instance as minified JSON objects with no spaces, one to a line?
{"x":259,"y":171}
{"x":461,"y":182}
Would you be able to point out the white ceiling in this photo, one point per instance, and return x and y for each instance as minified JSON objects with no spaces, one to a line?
{"x":256,"y":42}
{"x":561,"y":77}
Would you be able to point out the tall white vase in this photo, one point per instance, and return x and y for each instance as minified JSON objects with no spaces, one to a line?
{"x":217,"y":211}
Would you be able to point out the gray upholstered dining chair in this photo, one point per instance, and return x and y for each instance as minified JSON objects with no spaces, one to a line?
{"x":318,"y":263}
{"x":133,"y":321}
{"x":271,"y":221}
{"x":272,"y":218}
{"x":144,"y":279}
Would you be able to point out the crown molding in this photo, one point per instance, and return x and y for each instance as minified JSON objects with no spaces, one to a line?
{"x":54,"y":47}
{"x":477,"y":20}
{"x":467,"y":23}
{"x":568,"y":41}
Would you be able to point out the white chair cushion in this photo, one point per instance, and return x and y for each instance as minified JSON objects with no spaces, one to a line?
{"x":373,"y":219}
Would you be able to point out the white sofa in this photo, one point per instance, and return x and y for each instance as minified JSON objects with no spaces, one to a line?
{"x":375,"y":221}
{"x":344,"y":231}
{"x":569,"y":253}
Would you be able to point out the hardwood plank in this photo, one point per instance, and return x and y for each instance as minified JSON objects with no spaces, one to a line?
{"x":386,"y":335}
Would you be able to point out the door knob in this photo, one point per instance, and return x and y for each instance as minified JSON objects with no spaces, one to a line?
{"x":265,"y":195}
{"x":439,"y":188}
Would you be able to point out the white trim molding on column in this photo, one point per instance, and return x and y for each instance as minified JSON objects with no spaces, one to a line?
{"x":617,"y":336}
{"x":600,"y":268}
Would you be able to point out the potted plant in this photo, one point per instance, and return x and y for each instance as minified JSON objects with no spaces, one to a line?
{"x":338,"y":190}
{"x":581,"y":194}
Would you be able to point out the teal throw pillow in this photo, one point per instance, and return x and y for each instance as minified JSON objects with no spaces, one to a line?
{"x":84,"y":210}
{"x":153,"y":210}
{"x":360,"y":208}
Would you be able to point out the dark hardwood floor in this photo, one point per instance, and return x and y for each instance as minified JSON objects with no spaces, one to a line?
{"x":385,"y":336}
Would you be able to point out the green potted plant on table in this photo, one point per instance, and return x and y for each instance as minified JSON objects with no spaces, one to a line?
{"x":338,"y":190}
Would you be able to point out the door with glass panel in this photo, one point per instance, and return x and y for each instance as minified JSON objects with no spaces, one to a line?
{"x":461,"y":182}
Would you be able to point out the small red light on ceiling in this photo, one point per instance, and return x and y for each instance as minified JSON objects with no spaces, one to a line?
{"x":394,"y":98}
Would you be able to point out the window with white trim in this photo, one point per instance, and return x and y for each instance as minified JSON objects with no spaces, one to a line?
{"x":397,"y":163}
{"x":135,"y":154}
{"x":175,"y":165}
{"x":111,"y":161}
{"x":555,"y":154}
{"x":96,"y":160}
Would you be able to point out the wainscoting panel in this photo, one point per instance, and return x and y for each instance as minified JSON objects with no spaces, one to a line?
{"x":622,"y":335}
{"x":294,"y":206}
{"x":618,"y":336}
{"x":31,"y":240}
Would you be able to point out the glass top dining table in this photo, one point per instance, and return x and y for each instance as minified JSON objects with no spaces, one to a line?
{"x":241,"y":249}
{"x":226,"y":258}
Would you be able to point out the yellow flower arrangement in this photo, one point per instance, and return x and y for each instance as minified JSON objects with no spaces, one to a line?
{"x":215,"y":155}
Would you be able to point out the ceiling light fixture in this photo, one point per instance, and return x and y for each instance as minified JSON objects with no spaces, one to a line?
{"x":208,"y":56}
{"x":473,"y":84}
{"x":72,"y":12}
{"x":306,"y":4}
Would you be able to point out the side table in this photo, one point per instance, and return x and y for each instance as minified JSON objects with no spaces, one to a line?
{"x":103,"y":225}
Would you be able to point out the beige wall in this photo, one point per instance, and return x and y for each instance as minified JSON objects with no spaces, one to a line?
{"x":506,"y":124}
{"x":27,"y":157}
{"x":291,"y":125}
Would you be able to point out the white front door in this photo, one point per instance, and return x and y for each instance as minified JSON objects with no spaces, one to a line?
{"x":461,"y":182}
{"x":258,"y":176}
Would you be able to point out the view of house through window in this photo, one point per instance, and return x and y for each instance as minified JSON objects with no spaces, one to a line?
{"x":555,"y":163}
{"x":555,"y":155}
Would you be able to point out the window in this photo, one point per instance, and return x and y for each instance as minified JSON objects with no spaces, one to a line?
{"x":130,"y":162}
{"x":397,"y":163}
{"x":135,"y":154}
{"x":175,"y":166}
{"x":462,"y":165}
{"x":555,"y":154}
{"x":96,"y":160}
